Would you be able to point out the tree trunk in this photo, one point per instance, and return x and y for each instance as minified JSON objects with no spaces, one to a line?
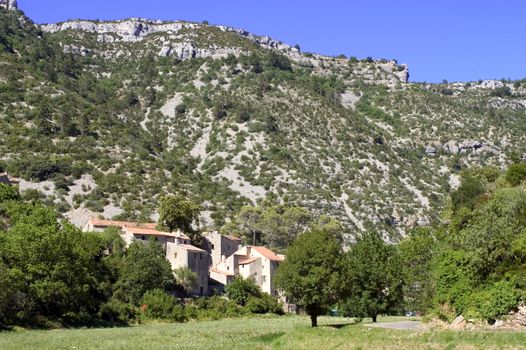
{"x":374,"y":317}
{"x":314,"y":320}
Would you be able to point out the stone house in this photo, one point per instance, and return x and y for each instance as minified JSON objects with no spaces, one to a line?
{"x":256,"y":262}
{"x":177,"y":246}
{"x":220,"y":246}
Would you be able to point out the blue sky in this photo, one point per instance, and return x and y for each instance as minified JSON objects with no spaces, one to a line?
{"x":457,"y":40}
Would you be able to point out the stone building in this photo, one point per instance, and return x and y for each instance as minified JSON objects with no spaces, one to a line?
{"x":220,"y":246}
{"x":177,"y":246}
{"x":256,"y":262}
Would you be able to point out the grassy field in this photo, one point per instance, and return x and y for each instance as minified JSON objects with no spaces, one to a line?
{"x":291,"y":332}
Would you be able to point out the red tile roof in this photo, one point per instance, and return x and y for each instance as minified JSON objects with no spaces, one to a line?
{"x":148,"y":231}
{"x":234,"y":238}
{"x":114,"y":223}
{"x":267,"y":253}
{"x":191,"y":248}
{"x":247,"y":261}
{"x":213,"y":269}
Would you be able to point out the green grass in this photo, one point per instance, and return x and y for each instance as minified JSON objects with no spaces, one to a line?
{"x":259,"y":333}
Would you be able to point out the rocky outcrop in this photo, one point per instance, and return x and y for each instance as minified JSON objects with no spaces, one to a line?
{"x":176,"y":39}
{"x":9,"y":4}
{"x":455,"y":147}
{"x":82,"y":51}
{"x":136,"y":29}
{"x":133,"y":29}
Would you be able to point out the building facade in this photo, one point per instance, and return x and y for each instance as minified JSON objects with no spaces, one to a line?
{"x":255,"y":262}
{"x":177,"y":246}
{"x":220,"y":246}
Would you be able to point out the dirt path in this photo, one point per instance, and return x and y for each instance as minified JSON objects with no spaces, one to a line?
{"x":402,"y":325}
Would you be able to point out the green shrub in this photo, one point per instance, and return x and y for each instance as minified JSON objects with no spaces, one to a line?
{"x":8,"y":193}
{"x":157,"y":304}
{"x":216,"y":307}
{"x":264,"y":304}
{"x":241,"y":289}
{"x":468,"y":192}
{"x":116,"y":311}
{"x":516,"y":173}
{"x":495,"y":300}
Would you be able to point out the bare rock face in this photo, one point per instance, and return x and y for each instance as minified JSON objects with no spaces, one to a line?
{"x":9,"y":4}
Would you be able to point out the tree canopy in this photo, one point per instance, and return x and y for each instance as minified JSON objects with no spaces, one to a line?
{"x":177,"y":212}
{"x":311,"y":274}
{"x":374,"y":277}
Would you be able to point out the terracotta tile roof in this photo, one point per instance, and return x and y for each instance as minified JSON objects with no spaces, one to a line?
{"x":247,"y":261}
{"x":227,"y":273}
{"x":148,"y":231}
{"x":267,"y":253}
{"x":234,"y":238}
{"x":191,"y":248}
{"x":114,"y":223}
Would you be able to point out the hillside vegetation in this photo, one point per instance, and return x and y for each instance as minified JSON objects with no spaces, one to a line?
{"x":105,"y":118}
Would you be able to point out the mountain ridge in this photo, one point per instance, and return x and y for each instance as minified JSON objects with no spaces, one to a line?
{"x":345,"y":137}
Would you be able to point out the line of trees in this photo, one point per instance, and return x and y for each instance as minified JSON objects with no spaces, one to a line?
{"x":365,"y":281}
{"x":52,"y":274}
{"x":474,"y":264}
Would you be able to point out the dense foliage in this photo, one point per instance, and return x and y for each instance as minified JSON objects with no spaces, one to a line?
{"x":311,"y":275}
{"x":52,"y":274}
{"x":475,"y":265}
{"x":375,"y":278}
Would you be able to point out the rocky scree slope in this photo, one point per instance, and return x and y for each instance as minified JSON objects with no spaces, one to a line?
{"x":130,"y":110}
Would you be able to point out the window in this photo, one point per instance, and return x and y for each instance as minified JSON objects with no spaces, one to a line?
{"x":263,"y":278}
{"x":228,"y":247}
{"x":200,"y":256}
{"x":228,"y":268}
{"x":143,"y":237}
{"x":213,"y":246}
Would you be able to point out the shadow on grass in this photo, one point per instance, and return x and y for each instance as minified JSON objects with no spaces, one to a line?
{"x":338,"y":325}
{"x":268,"y":338}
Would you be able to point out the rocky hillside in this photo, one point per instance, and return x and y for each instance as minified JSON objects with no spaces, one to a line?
{"x":105,"y":117}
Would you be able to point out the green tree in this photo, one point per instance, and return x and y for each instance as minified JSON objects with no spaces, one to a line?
{"x":279,"y":61}
{"x":516,"y":173}
{"x":177,"y":212}
{"x":186,"y":279}
{"x":375,"y":277}
{"x":8,"y":193}
{"x":64,"y":275}
{"x":281,"y":225}
{"x":417,"y":251}
{"x":144,"y":268}
{"x":468,"y":192}
{"x":311,"y":274}
{"x":241,"y":289}
{"x":247,"y":223}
